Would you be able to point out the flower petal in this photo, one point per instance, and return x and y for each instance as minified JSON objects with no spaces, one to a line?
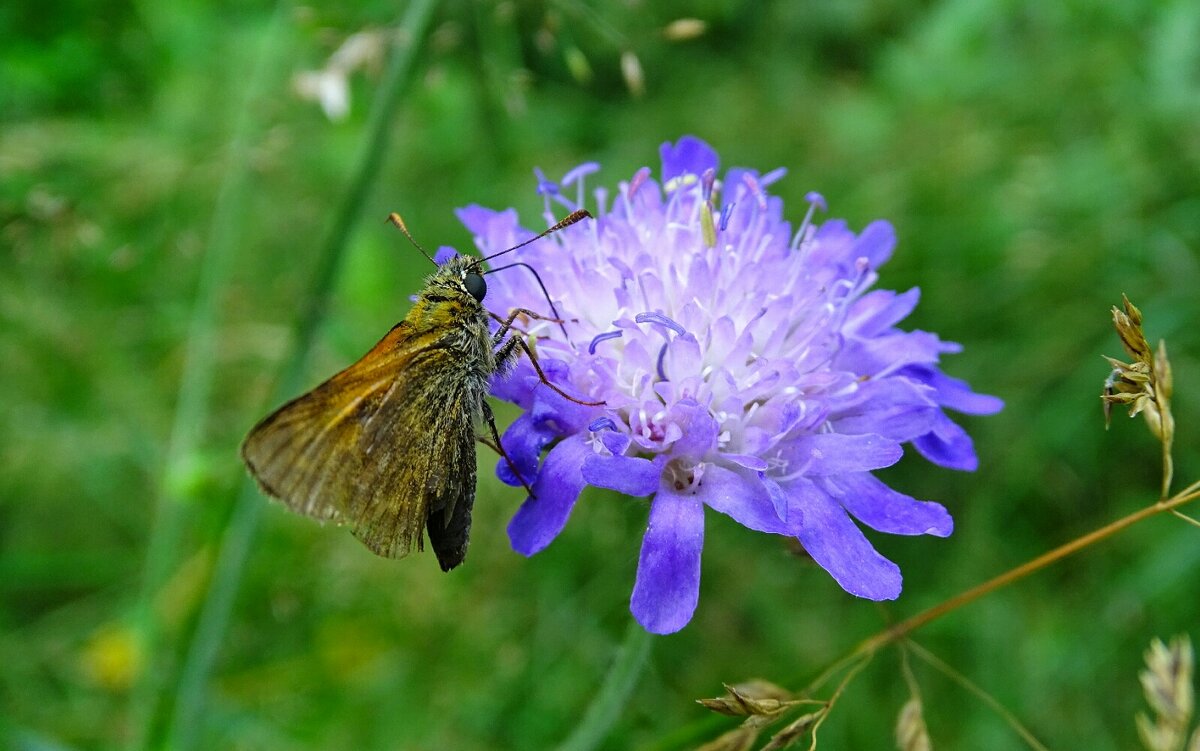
{"x":444,"y":254}
{"x":887,"y":353}
{"x":523,"y":442}
{"x":742,"y":497}
{"x":698,"y":429}
{"x":493,"y":230}
{"x":879,"y":507}
{"x":948,"y":445}
{"x":689,"y":155}
{"x":624,"y":474}
{"x":559,"y":412}
{"x":879,"y":310}
{"x":780,"y":501}
{"x":668,"y":576}
{"x":954,"y":392}
{"x":835,"y":453}
{"x":876,"y":242}
{"x":542,"y":517}
{"x":838,"y":545}
{"x":896,"y":408}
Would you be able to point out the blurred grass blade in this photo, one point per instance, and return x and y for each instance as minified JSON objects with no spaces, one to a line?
{"x":183,"y":731}
{"x":606,"y":707}
{"x":196,"y":379}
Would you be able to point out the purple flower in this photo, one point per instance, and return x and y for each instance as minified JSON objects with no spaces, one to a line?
{"x":745,"y":366}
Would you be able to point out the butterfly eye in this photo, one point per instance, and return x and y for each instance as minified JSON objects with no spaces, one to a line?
{"x":475,"y":285}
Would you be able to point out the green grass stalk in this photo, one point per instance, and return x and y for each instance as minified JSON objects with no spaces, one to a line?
{"x":184,"y":730}
{"x":193,"y":405}
{"x":610,"y":699}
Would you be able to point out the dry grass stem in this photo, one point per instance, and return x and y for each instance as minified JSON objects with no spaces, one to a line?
{"x":994,"y":704}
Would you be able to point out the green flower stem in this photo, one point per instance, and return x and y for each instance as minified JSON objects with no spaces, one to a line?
{"x":606,"y":707}
{"x":184,"y":730}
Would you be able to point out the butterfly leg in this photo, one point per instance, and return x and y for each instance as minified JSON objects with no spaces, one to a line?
{"x":507,"y":323}
{"x":498,"y":447}
{"x":506,"y":350}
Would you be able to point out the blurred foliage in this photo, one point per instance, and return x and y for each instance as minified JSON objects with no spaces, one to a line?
{"x":1038,"y":159}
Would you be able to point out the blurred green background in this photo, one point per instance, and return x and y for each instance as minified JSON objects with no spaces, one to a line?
{"x":171,"y":210}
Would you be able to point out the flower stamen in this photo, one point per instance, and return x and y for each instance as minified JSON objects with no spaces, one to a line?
{"x":603,"y":338}
{"x":660,"y":320}
{"x":726,"y":212}
{"x":636,"y":182}
{"x":815,"y":201}
{"x":755,"y":190}
{"x":602,"y":423}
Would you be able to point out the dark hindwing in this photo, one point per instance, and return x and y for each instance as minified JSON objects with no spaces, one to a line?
{"x":380,"y":447}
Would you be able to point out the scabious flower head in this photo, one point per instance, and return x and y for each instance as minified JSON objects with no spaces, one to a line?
{"x":744,"y":366}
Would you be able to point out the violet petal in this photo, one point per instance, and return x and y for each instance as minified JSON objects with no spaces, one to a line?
{"x":742,"y":497}
{"x":834,"y":453}
{"x":542,"y":517}
{"x":688,"y":155}
{"x":839,"y":546}
{"x":954,"y":392}
{"x":625,"y":474}
{"x":948,"y":445}
{"x":879,"y":507}
{"x":523,"y":442}
{"x":668,"y":576}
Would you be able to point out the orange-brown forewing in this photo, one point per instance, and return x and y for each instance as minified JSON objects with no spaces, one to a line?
{"x":359,"y":450}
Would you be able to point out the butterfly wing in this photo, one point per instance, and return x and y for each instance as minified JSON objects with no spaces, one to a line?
{"x":360,"y":448}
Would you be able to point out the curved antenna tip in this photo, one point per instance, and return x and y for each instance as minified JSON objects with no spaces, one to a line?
{"x":396,"y":219}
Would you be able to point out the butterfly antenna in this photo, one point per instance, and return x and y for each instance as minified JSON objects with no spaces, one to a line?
{"x":545,"y":293}
{"x":395,"y":219}
{"x":566,"y":221}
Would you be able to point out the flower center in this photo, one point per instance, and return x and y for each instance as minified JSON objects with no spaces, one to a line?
{"x":683,"y":475}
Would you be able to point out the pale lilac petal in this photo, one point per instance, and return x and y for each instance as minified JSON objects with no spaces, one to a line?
{"x":876,"y":312}
{"x":879,"y":507}
{"x":625,"y":474}
{"x":839,"y":547}
{"x":876,"y":242}
{"x":698,"y":427}
{"x":749,"y":461}
{"x":896,"y":408}
{"x":887,"y":353}
{"x":668,"y":576}
{"x":742,"y":497}
{"x":834,"y":453}
{"x":542,"y":517}
{"x":493,"y":230}
{"x":948,"y":445}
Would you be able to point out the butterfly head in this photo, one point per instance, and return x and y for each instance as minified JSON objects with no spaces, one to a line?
{"x":459,"y":278}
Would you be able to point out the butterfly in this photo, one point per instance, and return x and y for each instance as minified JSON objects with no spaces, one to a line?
{"x":387,"y":446}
